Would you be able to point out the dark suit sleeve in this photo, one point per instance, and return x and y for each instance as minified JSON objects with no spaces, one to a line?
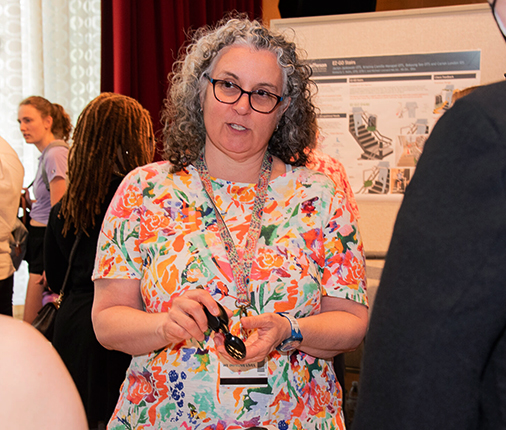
{"x":440,"y":312}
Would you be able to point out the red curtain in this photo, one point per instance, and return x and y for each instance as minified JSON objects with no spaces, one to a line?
{"x":141,"y":40}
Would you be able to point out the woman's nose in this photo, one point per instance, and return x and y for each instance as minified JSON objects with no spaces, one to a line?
{"x":242,"y":106}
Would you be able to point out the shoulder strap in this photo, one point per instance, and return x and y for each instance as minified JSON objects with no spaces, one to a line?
{"x":51,"y":145}
{"x":67,"y":273}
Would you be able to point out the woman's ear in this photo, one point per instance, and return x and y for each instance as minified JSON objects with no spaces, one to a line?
{"x":202,"y":99}
{"x":286,"y":104}
{"x":48,"y":122}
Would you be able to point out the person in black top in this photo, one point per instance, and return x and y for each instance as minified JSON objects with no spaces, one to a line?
{"x":113,"y":135}
{"x":435,"y":353}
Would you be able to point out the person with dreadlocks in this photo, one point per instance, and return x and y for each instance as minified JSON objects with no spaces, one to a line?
{"x":113,"y":135}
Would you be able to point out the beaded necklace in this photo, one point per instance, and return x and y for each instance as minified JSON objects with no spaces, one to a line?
{"x":240,"y":269}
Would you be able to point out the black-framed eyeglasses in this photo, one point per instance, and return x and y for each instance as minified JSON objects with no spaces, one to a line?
{"x":229,"y":93}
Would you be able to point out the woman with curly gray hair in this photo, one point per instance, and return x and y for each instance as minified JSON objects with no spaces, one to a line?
{"x":185,"y":131}
{"x":231,"y":272}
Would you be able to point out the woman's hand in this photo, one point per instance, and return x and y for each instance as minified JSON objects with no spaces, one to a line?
{"x":186,"y":318}
{"x":339,"y":327}
{"x":267,"y":331}
{"x":121,"y":323}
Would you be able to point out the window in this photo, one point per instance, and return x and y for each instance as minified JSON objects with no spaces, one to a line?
{"x":49,"y":48}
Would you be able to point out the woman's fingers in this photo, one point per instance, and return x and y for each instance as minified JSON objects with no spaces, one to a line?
{"x":186,"y":315}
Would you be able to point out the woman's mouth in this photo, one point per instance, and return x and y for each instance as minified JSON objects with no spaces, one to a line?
{"x":237,"y":127}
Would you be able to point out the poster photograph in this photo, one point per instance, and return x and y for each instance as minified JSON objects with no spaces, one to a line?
{"x":375,"y":113}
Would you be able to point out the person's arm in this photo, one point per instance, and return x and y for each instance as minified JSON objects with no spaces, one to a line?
{"x":55,"y":163}
{"x":118,"y":314}
{"x":340,"y":327}
{"x":319,"y":331}
{"x":57,"y":189}
{"x":36,"y":390}
{"x":11,"y":181}
{"x":120,"y":322}
{"x":25,"y":194}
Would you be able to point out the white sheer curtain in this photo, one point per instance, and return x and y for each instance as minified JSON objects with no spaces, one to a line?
{"x":49,"y":48}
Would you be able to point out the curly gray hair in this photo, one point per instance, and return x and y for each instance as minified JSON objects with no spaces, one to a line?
{"x":184,"y":129}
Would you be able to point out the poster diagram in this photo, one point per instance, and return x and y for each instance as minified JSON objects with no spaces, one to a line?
{"x":377,"y":112}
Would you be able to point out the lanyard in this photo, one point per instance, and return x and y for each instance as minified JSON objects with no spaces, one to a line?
{"x":240,"y":270}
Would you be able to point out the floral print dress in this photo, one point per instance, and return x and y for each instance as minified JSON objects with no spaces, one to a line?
{"x":161,"y":229}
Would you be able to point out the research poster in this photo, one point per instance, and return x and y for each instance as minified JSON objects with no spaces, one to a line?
{"x":375,"y":113}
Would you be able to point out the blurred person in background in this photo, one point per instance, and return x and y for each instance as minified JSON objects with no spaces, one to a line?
{"x":11,"y":182}
{"x":47,"y":126}
{"x":435,"y":353}
{"x":36,"y":390}
{"x":113,"y":136}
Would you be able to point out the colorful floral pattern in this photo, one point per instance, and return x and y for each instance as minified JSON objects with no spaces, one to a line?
{"x":161,"y":229}
{"x":334,"y":169}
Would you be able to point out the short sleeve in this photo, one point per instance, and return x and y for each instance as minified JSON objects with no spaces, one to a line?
{"x":118,"y":254}
{"x":344,"y":271}
{"x":334,"y":169}
{"x":55,"y":162}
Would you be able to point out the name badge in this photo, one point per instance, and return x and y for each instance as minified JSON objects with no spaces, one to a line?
{"x":251,"y":374}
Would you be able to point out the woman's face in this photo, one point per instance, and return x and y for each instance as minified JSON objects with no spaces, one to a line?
{"x":33,"y":127}
{"x":236,"y":129}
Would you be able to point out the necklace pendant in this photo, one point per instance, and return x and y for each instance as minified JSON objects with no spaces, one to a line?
{"x":243,"y":307}
{"x":243,"y":312}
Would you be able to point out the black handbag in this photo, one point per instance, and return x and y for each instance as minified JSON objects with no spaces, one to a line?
{"x":17,"y":243}
{"x":44,"y":321}
{"x":18,"y":239}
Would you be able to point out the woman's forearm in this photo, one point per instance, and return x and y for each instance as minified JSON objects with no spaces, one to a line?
{"x":129,"y":330}
{"x":120,"y":321}
{"x":331,"y":333}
